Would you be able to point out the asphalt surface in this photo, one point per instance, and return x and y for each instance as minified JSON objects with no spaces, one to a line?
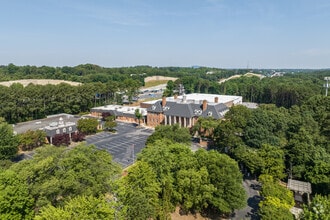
{"x":149,"y":95}
{"x":152,"y":92}
{"x":124,"y":145}
{"x":252,"y":188}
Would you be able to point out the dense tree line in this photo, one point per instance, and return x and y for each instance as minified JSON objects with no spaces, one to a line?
{"x":276,"y":141}
{"x":88,"y":73}
{"x":108,"y":85}
{"x":100,"y":86}
{"x":285,"y":91}
{"x":18,"y":103}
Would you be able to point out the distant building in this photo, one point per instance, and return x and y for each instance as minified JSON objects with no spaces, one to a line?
{"x":52,"y":125}
{"x":277,"y":74}
{"x":250,"y":105}
{"x":123,"y":113}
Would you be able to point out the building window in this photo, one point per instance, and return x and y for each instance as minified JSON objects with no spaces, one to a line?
{"x":57,"y":131}
{"x":64,"y":130}
{"x":70,"y":128}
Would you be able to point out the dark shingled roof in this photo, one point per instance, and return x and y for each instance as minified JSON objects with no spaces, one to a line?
{"x":188,"y":109}
{"x":178,"y":109}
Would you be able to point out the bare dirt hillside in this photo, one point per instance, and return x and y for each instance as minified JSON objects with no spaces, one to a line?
{"x":26,"y":82}
{"x":237,"y":76}
{"x":156,"y":78}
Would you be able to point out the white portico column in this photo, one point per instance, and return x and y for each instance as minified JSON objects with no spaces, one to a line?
{"x":174,"y":119}
{"x":185,"y":122}
{"x":170,"y":120}
{"x":165,"y":119}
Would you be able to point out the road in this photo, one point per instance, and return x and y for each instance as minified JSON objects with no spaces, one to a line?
{"x":250,"y":211}
{"x":152,"y":92}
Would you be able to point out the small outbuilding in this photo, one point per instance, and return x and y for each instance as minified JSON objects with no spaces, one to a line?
{"x":299,"y":188}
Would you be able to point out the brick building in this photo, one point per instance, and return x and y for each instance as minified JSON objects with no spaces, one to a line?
{"x":122,"y":113}
{"x":186,"y":109}
{"x":183,"y":110}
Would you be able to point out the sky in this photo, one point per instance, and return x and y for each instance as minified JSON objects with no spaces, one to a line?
{"x":121,"y":33}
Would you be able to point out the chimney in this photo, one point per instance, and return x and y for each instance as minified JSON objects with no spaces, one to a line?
{"x":204,"y":105}
{"x":216,"y":99}
{"x":163,"y":101}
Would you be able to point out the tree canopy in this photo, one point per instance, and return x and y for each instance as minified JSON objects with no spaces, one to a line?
{"x":8,"y":141}
{"x":83,"y":207}
{"x":205,"y":180}
{"x":87,"y":125}
{"x":173,"y":133}
{"x":54,"y":175}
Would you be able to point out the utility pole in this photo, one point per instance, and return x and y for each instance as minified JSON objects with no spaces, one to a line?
{"x":326,"y":85}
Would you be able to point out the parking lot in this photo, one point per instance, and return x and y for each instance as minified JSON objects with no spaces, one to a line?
{"x":123,"y":145}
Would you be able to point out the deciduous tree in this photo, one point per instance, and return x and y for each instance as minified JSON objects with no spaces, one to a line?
{"x":83,"y":207}
{"x":55,"y":175}
{"x":87,"y":125}
{"x":8,"y":141}
{"x":31,"y":139}
{"x":138,"y":115}
{"x":319,"y":209}
{"x":171,"y":132}
{"x":139,"y":191}
{"x":15,"y":200}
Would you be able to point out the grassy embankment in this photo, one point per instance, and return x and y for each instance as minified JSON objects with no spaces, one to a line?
{"x":154,"y":83}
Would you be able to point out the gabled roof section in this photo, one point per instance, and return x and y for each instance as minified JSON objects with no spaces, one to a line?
{"x":178,"y":109}
{"x":213,"y":110}
{"x":299,"y":186}
{"x":156,"y":107}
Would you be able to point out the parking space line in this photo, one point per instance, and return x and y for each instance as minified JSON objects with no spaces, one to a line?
{"x":119,"y":145}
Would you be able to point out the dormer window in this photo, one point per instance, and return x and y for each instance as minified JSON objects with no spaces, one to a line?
{"x":165,"y":108}
{"x":209,"y":113}
{"x":197,"y":111}
{"x":153,"y":107}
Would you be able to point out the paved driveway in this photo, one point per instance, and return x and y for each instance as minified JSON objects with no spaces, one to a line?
{"x":250,"y":211}
{"x":123,"y":145}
